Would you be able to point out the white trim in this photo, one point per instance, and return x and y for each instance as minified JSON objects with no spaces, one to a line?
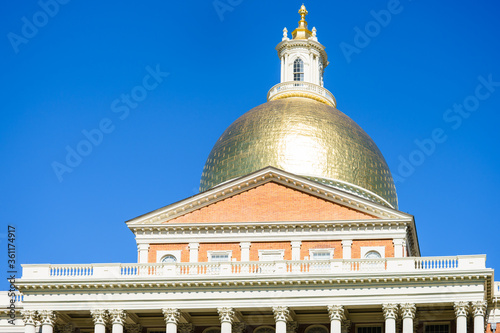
{"x":366,"y":249}
{"x":279,"y":252}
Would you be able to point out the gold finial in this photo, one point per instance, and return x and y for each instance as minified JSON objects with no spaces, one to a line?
{"x":302,"y":32}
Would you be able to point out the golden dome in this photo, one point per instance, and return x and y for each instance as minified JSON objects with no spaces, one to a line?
{"x":307,"y":138}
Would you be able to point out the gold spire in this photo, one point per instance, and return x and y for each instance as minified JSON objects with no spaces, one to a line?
{"x":302,"y":32}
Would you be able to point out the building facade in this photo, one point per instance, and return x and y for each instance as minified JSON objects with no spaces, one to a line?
{"x":296,"y":229}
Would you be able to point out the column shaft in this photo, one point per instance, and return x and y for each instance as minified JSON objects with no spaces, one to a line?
{"x":29,"y":328}
{"x":407,"y":325}
{"x":99,"y":328}
{"x":117,"y":328}
{"x":281,"y":326}
{"x":336,"y":326}
{"x":171,"y":328}
{"x":478,"y":324}
{"x":462,"y":324}
{"x":226,"y":327}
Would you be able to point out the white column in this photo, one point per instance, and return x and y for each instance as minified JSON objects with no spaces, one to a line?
{"x":398,"y":247}
{"x":117,"y":320}
{"x":390,"y":315}
{"x":286,"y":68}
{"x":408,"y":312}
{"x":461,"y":309}
{"x":100,"y":317}
{"x":193,"y":252}
{"x":48,"y":319}
{"x":479,"y":311}
{"x":296,"y":250}
{"x":143,"y":250}
{"x":245,"y":251}
{"x":226,"y":316}
{"x":282,"y":68}
{"x":281,"y":316}
{"x":336,"y":313}
{"x":171,"y":319}
{"x":29,"y":318}
{"x":346,"y":248}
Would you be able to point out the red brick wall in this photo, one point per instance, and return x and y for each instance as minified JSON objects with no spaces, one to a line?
{"x":271,"y":202}
{"x":357,"y":244}
{"x":168,"y":247}
{"x":336,"y":245}
{"x":255,"y":247}
{"x":204,"y":248}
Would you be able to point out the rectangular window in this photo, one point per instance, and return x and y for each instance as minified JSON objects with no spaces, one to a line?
{"x":220,"y":257}
{"x":325,"y":254}
{"x":369,"y":329}
{"x":439,"y":328}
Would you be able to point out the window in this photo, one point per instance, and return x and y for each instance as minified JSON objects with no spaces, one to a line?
{"x":437,"y":328}
{"x":369,"y":329}
{"x":169,"y":258}
{"x":321,"y":254}
{"x":372,"y":255}
{"x":219,"y":256}
{"x":298,"y":70}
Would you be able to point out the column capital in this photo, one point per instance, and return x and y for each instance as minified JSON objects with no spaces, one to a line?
{"x":347,"y":242}
{"x":226,"y":314}
{"x":461,"y":309}
{"x":171,"y":315}
{"x":133,"y":328}
{"x":30,"y":317}
{"x":336,"y":312}
{"x":479,"y":308}
{"x":296,"y":243}
{"x":398,"y":241}
{"x":245,"y":245}
{"x":185,"y":328}
{"x":390,"y":310}
{"x":194,"y":245}
{"x":117,"y":316}
{"x":408,"y":310}
{"x":99,"y":316}
{"x":47,"y":317}
{"x":281,"y":313}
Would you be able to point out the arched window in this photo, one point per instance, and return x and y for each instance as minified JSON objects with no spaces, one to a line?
{"x":169,"y":258}
{"x":264,"y":329}
{"x":298,"y":70}
{"x":316,"y":329}
{"x":372,"y":255}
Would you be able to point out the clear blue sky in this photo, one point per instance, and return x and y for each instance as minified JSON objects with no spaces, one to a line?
{"x":400,"y":83}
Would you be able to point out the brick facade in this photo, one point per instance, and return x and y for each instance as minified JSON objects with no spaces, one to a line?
{"x":271,"y":202}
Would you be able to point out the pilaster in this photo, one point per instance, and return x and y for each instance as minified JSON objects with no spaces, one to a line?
{"x":346,"y":248}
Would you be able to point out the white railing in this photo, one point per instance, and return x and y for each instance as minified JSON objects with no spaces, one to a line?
{"x":301,"y":86}
{"x":283,"y":267}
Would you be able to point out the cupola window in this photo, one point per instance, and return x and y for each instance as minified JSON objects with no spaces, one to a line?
{"x":298,"y":70}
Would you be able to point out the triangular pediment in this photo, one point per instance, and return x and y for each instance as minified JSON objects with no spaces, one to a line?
{"x":269,"y":195}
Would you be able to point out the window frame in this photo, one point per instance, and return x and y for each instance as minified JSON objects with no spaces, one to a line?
{"x":331,"y":252}
{"x":163,"y":253}
{"x":229,"y":254}
{"x":280,"y":252}
{"x":300,"y":71}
